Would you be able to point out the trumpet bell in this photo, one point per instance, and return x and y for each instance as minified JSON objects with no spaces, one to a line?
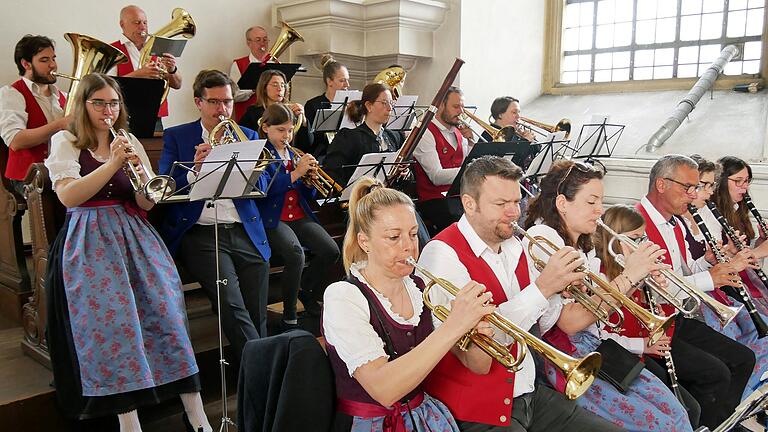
{"x":159,"y":187}
{"x":580,"y":374}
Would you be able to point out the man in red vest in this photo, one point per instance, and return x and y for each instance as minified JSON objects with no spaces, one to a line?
{"x":258,"y":42}
{"x":482,"y":247}
{"x":713,"y":368}
{"x":439,"y":156}
{"x":32,"y":108}
{"x":133,"y":22}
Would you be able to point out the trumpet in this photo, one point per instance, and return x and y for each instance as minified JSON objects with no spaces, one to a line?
{"x":655,"y":324}
{"x":320,"y":180}
{"x":579,"y":373}
{"x":724,"y":313}
{"x":155,"y":188}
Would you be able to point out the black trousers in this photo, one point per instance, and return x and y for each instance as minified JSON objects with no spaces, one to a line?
{"x":712,"y":367}
{"x":440,"y":213}
{"x":658,"y":367}
{"x":546,"y":410}
{"x":244,"y":297}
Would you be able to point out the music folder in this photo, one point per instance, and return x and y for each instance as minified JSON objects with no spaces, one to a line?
{"x":141,"y":97}
{"x":164,"y":45}
{"x":251,"y":75}
{"x":508,"y":150}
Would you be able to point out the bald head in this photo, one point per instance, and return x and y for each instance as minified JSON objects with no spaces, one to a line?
{"x":133,"y":22}
{"x":258,"y":41}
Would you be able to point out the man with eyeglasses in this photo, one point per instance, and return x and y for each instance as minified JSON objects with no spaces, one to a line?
{"x":712,"y":367}
{"x":257,"y":40}
{"x":188,"y":228}
{"x":31,"y":108}
{"x":133,"y":22}
{"x":439,"y":156}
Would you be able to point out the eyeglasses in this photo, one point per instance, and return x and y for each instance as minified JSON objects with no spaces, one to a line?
{"x":582,"y":167}
{"x":391,"y":103}
{"x":741,"y":182}
{"x":217,"y":102}
{"x":100,"y":104}
{"x":689,"y":188}
{"x":279,"y":85}
{"x":707,"y":185}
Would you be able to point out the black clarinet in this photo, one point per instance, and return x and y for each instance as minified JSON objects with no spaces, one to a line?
{"x":739,"y":292}
{"x":731,"y":233}
{"x":758,"y":217}
{"x":653,"y":307}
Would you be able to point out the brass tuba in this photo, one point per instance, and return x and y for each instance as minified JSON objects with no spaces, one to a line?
{"x":497,"y":135}
{"x":579,"y":373}
{"x":288,"y":35}
{"x":181,"y":24}
{"x":392,"y":77}
{"x":90,"y":55}
{"x":656,"y":325}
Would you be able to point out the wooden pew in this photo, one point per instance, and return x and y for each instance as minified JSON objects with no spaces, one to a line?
{"x":15,"y":287}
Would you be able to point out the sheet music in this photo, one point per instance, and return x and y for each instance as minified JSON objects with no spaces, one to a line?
{"x":543,"y":161}
{"x":338,"y":100}
{"x":213,"y":170}
{"x":399,"y":118}
{"x":367,"y":168}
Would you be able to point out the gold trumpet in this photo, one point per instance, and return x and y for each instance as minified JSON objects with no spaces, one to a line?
{"x":579,"y":373}
{"x":655,"y":324}
{"x":725,"y":314}
{"x":497,"y":134}
{"x":155,"y":188}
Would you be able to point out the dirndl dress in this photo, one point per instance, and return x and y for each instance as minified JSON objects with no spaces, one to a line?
{"x":116,"y":315}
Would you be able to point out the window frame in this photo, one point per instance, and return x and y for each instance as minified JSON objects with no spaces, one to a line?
{"x":554,"y":56}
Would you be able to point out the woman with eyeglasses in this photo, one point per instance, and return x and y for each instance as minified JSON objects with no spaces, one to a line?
{"x":270,"y":89}
{"x":371,"y":112}
{"x":565,"y":212}
{"x":335,"y":77}
{"x":116,"y":315}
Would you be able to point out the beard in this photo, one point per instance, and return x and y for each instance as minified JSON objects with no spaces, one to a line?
{"x":42,"y":78}
{"x":450,"y":120}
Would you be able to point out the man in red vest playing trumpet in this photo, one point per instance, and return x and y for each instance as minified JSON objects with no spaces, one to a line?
{"x":482,"y":247}
{"x":32,"y":108}
{"x":258,"y":43}
{"x":133,"y":22}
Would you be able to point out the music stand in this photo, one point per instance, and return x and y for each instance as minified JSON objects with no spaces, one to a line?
{"x":250,"y":77}
{"x":216,"y":181}
{"x":374,"y":165}
{"x":403,"y":114}
{"x":510,"y":150}
{"x":330,"y":119}
{"x":142,"y":101}
{"x":597,"y":140}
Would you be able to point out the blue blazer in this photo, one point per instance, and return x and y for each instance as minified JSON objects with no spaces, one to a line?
{"x":179,"y":145}
{"x":272,"y":206}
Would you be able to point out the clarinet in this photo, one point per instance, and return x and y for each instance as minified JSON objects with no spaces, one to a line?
{"x":731,"y":233}
{"x":758,"y":217}
{"x":668,"y":356}
{"x":740,"y":291}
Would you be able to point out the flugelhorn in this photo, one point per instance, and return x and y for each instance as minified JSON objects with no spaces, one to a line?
{"x":155,"y":188}
{"x":231,"y":133}
{"x":579,"y":373}
{"x":607,"y":293}
{"x":724,"y":313}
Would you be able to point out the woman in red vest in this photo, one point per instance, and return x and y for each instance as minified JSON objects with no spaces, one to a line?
{"x":335,"y":77}
{"x":565,"y":212}
{"x":379,"y":333}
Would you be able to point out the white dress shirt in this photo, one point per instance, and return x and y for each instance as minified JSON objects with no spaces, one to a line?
{"x":226,"y":207}
{"x":694,"y":272}
{"x":347,"y":319}
{"x":13,"y":114}
{"x":426,"y":155}
{"x":523,"y":306}
{"x":635,"y":345}
{"x":241,"y":95}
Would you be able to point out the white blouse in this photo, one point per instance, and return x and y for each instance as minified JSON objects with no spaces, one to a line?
{"x":346,"y":319}
{"x":63,"y":161}
{"x":635,"y":345}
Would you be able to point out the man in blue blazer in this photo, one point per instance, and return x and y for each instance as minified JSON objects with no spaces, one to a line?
{"x":188,"y":228}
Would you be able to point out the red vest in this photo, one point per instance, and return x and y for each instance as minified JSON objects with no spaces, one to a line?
{"x":449,"y":158}
{"x":124,"y":69}
{"x":292,"y":210}
{"x":19,"y":161}
{"x":471,"y":397}
{"x":240,"y":107}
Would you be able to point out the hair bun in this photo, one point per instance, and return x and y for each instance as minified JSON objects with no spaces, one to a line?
{"x":326,"y":59}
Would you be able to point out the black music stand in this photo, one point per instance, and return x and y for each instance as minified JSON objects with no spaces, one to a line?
{"x":250,"y":77}
{"x":402,"y":117}
{"x":597,"y":140}
{"x":501,"y":149}
{"x":549,"y":152}
{"x":329,"y":120}
{"x":142,"y":98}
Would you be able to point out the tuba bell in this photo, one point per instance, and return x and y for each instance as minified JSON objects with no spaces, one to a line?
{"x":181,"y":24}
{"x":90,"y":55}
{"x":392,"y":77}
{"x":288,"y":35}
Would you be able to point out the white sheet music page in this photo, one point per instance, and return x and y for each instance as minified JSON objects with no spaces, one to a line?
{"x":215,"y":165}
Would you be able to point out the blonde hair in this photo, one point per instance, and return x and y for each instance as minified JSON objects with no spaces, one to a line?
{"x":622,"y":219}
{"x":368,"y":196}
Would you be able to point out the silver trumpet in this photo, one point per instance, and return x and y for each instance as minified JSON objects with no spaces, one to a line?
{"x":724,"y":313}
{"x":155,"y":188}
